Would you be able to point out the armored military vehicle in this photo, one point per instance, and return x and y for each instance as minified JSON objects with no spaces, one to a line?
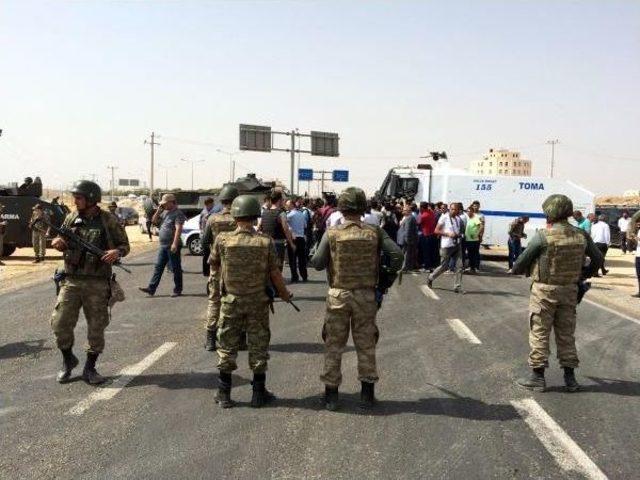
{"x":18,"y":204}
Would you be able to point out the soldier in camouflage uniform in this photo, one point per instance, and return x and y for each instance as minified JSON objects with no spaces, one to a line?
{"x":554,"y":258}
{"x":87,"y":280}
{"x":39,"y":232}
{"x":245,"y":262}
{"x":216,"y":224}
{"x":351,"y":252}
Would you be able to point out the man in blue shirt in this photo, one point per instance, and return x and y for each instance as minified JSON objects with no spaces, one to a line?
{"x":297,"y":221}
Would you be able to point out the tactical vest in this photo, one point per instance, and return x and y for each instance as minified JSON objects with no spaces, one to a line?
{"x":221,"y":222}
{"x":94,"y":230}
{"x":270,"y":224}
{"x":244,"y":257}
{"x":562,"y":262}
{"x":355,"y":252}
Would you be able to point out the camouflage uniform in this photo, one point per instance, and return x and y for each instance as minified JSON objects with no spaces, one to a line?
{"x":243,"y":261}
{"x":351,"y":253}
{"x":554,"y":258}
{"x":87,"y":278}
{"x":216,"y":224}
{"x":39,"y":233}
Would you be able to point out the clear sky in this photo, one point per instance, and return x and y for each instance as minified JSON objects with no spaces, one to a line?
{"x":82,"y":84}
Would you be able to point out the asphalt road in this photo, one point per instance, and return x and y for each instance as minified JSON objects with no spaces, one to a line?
{"x":448,"y":406}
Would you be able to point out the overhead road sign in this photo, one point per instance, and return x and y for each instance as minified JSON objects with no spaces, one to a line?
{"x":255,"y":137}
{"x":324,"y":144}
{"x":305,"y":174}
{"x":128,"y":182}
{"x":260,"y":138}
{"x":340,"y":176}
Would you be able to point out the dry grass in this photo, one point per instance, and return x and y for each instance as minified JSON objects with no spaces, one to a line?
{"x":19,"y":272}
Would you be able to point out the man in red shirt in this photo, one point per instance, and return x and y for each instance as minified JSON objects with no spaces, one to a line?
{"x":429,"y":257}
{"x":428,"y":240}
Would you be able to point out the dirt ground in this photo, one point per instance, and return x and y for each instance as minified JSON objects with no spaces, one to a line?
{"x":19,"y":271}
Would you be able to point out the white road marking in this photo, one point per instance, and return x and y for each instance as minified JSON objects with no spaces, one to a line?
{"x":566,"y":452}
{"x":125,"y":376}
{"x":429,"y":292}
{"x":462,"y":331}
{"x":611,"y":310}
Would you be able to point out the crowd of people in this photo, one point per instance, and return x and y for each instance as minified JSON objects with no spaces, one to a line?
{"x":434,"y":238}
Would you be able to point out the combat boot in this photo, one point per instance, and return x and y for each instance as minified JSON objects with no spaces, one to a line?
{"x":223,"y":397}
{"x":69,"y":362}
{"x":570,"y":382}
{"x":261,"y":396}
{"x":331,"y":398}
{"x":89,"y":374}
{"x":367,"y":396}
{"x":535,"y":381}
{"x":210,"y":344}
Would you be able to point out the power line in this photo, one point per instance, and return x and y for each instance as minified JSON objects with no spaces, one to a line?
{"x":193,"y":142}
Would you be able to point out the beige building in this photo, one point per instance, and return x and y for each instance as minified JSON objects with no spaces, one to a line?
{"x":501,"y":162}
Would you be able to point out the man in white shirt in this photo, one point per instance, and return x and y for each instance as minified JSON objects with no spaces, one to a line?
{"x":371,"y":218}
{"x":623,"y":225}
{"x":601,"y":235}
{"x":375,"y":211}
{"x":450,"y":228}
{"x":335,"y":219}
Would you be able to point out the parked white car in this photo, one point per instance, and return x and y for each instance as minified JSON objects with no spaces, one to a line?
{"x":191,"y":235}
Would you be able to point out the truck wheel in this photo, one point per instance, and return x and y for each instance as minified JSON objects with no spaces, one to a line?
{"x":8,"y":250}
{"x":194,"y":245}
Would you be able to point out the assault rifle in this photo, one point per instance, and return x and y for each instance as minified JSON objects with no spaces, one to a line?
{"x":271,"y":293}
{"x":79,"y":242}
{"x":386,"y":277}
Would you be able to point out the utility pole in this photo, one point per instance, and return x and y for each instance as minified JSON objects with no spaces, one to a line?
{"x":113,"y":183}
{"x":152,"y":143}
{"x":553,"y":144}
{"x":192,"y":163}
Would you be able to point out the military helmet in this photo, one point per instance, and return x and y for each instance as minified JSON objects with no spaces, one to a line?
{"x":113,"y":205}
{"x":352,"y":200}
{"x":245,"y":206}
{"x":557,"y":207}
{"x":89,"y":190}
{"x":228,"y":193}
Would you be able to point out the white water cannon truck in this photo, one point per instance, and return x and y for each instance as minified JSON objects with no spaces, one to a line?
{"x":502,"y":198}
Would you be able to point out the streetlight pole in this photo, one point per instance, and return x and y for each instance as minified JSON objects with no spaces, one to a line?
{"x":192,"y":163}
{"x":232,"y":163}
{"x":166,"y":174}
